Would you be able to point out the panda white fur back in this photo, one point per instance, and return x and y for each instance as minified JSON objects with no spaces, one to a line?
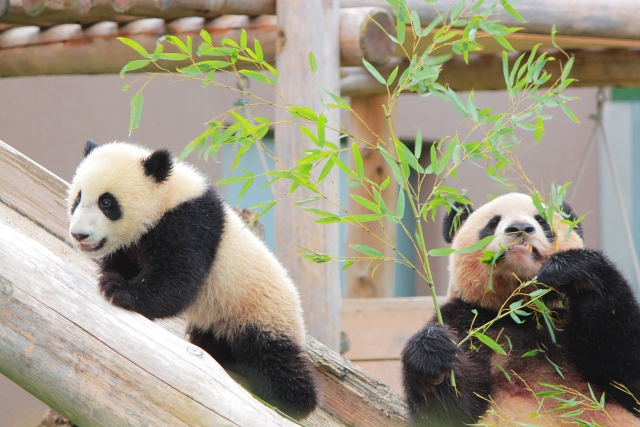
{"x":596,"y":315}
{"x":167,"y":244}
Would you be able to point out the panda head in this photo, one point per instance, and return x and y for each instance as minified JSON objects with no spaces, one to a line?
{"x":527,"y":238}
{"x":116,"y":195}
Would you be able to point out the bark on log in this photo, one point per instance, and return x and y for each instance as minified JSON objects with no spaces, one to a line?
{"x":308,"y":27}
{"x":360,"y":37}
{"x":66,"y":11}
{"x":587,"y":18}
{"x":68,"y":49}
{"x":31,"y":202}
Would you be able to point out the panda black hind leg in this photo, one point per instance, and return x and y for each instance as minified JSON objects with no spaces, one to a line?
{"x":604,"y":327}
{"x":275,"y":367}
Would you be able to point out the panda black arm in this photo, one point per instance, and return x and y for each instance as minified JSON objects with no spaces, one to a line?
{"x":604,"y":327}
{"x":163,"y":273}
{"x":427,"y":359}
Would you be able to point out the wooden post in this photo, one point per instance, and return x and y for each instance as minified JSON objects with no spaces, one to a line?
{"x":309,"y":26}
{"x":359,"y":281}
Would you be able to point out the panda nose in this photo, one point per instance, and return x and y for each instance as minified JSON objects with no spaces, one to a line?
{"x":520,"y":229}
{"x":79,"y":237}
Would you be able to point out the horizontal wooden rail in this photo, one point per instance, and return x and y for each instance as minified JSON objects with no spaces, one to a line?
{"x":586,"y":18}
{"x":42,"y":279}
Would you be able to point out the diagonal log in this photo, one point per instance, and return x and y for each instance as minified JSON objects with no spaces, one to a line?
{"x":99,"y":365}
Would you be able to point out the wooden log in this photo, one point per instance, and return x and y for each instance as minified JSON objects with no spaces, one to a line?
{"x":587,"y":18}
{"x":50,"y":13}
{"x":98,"y":365}
{"x":308,"y":27}
{"x":26,"y":51}
{"x":369,"y":123}
{"x":31,"y":201}
{"x":68,"y":49}
{"x":360,"y":37}
{"x":609,"y":67}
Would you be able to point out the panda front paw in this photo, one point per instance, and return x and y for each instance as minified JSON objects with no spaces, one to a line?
{"x":430,"y":354}
{"x":113,"y":289}
{"x":576,"y":270}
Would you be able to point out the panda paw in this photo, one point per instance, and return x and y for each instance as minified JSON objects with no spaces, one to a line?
{"x":112,"y":288}
{"x":430,"y":354}
{"x":576,"y":269}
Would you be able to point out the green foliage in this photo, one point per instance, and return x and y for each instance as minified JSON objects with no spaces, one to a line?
{"x":532,"y":94}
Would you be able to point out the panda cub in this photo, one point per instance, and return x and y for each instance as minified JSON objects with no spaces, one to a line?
{"x":167,"y":244}
{"x":597,"y":336}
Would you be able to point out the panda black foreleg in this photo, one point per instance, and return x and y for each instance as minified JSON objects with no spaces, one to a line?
{"x":603,"y":332}
{"x":427,"y":359}
{"x":275,"y":367}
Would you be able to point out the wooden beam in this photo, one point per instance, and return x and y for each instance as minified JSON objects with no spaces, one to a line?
{"x":47,"y":13}
{"x":611,"y":67}
{"x":368,"y":122}
{"x":308,"y":27}
{"x":60,"y":339}
{"x":32,"y":202}
{"x":72,"y":49}
{"x":588,"y":18}
{"x":360,"y":37}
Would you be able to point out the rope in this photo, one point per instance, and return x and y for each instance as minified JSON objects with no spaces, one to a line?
{"x":625,"y":220}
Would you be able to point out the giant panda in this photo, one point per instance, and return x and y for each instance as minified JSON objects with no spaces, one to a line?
{"x":597,"y":336}
{"x":167,"y":244}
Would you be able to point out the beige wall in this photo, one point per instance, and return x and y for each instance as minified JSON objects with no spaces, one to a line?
{"x":48,"y":119}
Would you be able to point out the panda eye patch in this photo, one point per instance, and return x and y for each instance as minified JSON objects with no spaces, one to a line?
{"x":76,"y":202}
{"x":545,"y":227}
{"x":490,"y":228}
{"x":109,"y":206}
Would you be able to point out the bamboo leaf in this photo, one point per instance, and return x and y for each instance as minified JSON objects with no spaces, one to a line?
{"x":489,"y":342}
{"x":366,"y":203}
{"x":134,"y":65}
{"x":259,"y":77}
{"x":418,"y":144}
{"x":312,"y":62}
{"x":367,"y":250}
{"x":477,"y":246}
{"x":135,"y":46}
{"x":441,"y":252}
{"x":511,"y":11}
{"x":346,"y":265}
{"x":374,"y":72}
{"x":136,"y":111}
{"x":357,"y":160}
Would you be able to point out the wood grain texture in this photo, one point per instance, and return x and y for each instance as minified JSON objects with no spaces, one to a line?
{"x":58,"y":12}
{"x":610,"y":67}
{"x":308,"y":27}
{"x":589,"y":18}
{"x":360,"y":37}
{"x":369,"y":123}
{"x":90,"y":361}
{"x":77,"y":276}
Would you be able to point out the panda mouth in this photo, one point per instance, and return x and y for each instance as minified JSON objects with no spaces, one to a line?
{"x":90,"y":247}
{"x":529,"y":248}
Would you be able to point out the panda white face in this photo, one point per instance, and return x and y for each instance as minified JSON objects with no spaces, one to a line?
{"x":114,"y":198}
{"x":526,"y":238}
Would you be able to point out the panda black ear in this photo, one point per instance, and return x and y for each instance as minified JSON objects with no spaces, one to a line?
{"x":89,"y":146}
{"x":454,"y":219}
{"x":158,"y":165}
{"x":566,"y":208}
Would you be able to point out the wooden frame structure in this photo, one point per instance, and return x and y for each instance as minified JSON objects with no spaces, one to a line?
{"x":39,"y":37}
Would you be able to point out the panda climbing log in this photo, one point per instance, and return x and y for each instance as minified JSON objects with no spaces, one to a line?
{"x":167,"y":244}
